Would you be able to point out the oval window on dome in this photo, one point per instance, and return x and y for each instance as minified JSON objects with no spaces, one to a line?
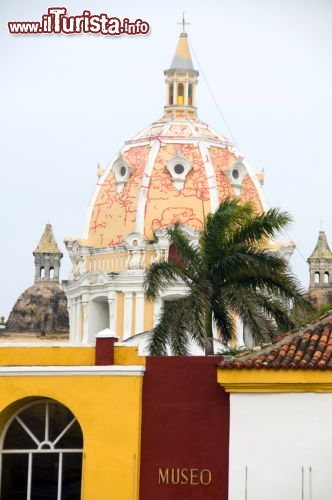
{"x":179,"y":168}
{"x":235,"y":173}
{"x":123,"y":171}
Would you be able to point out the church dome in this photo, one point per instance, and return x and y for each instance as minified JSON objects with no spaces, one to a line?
{"x":42,"y":308}
{"x":177,"y":169}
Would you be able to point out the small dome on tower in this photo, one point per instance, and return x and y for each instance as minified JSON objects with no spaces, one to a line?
{"x":42,"y":308}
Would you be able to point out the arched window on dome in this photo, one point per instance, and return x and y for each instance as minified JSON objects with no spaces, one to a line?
{"x":326,"y":278}
{"x":51,"y":272}
{"x":42,"y":272}
{"x":317,"y":278}
{"x":180,"y":93}
{"x":190,"y":94}
{"x":41,"y":453}
{"x":170,"y":94}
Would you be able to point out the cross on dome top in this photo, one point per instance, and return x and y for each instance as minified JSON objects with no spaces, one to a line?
{"x":183,"y":22}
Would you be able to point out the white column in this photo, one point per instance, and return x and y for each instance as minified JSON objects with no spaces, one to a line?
{"x":72,"y":322}
{"x":194,"y":94}
{"x":186,"y":85}
{"x":127,"y":314}
{"x":168,"y":84}
{"x":139,"y":316}
{"x":85,"y":325}
{"x":112,"y":311}
{"x":78,"y":322}
{"x":175,"y":93}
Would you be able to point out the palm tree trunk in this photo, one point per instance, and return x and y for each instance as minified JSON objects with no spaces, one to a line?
{"x":209,"y":350}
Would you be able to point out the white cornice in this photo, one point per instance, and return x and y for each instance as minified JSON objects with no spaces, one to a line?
{"x":71,"y":371}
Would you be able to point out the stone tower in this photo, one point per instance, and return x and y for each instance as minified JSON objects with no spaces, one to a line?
{"x":320,"y":268}
{"x":42,"y":308}
{"x":47,"y":257}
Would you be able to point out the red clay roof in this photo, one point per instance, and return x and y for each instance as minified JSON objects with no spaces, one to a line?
{"x":311,"y":348}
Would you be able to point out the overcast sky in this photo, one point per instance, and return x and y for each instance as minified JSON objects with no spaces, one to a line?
{"x":68,"y":102}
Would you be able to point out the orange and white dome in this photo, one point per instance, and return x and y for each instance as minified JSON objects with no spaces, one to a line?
{"x":176,"y":169}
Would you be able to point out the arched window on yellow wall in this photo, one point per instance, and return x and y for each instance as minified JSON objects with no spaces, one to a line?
{"x":190,"y":94}
{"x":180,"y":93}
{"x":171,"y":94}
{"x":41,"y":453}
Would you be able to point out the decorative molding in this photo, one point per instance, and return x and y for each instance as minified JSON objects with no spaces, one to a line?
{"x":274,"y":381}
{"x":72,"y":371}
{"x":210,"y":176}
{"x":236,"y":175}
{"x":179,"y":167}
{"x":122,"y":171}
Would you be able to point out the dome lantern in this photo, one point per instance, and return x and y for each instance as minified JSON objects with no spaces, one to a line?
{"x":181,"y":80}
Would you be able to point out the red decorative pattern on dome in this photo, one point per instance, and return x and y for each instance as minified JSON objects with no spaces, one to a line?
{"x":177,"y":206}
{"x":249,"y":193}
{"x":115,"y":211}
{"x":221,"y":159}
{"x":152,"y":131}
{"x":203,"y":130}
{"x":114,"y":214}
{"x":180,"y":130}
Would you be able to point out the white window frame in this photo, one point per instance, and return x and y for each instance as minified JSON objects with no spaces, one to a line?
{"x":40,"y":449}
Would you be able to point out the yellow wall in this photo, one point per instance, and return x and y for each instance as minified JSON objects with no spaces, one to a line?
{"x":265,"y":380}
{"x":108,"y":409}
{"x":124,"y":355}
{"x":65,"y":356}
{"x":50,"y":355}
{"x":148,"y":315}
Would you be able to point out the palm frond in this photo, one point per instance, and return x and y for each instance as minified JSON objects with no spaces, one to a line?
{"x":258,"y":228}
{"x":189,"y":254}
{"x":224,"y":319}
{"x":171,"y":330}
{"x":162,"y":275}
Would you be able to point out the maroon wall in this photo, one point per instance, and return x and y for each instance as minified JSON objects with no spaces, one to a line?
{"x":105,"y":350}
{"x":185,"y":430}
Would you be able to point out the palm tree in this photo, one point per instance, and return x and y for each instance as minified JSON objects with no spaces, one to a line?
{"x":228,"y":274}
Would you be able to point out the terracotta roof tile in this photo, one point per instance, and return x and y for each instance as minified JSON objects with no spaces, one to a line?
{"x":309,"y":349}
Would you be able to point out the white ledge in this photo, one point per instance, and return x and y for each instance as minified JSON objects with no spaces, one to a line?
{"x":71,"y":371}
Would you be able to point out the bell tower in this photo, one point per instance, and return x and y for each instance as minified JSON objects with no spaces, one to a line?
{"x":47,"y":257}
{"x":320,"y":268}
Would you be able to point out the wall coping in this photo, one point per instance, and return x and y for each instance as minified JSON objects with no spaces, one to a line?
{"x":72,"y":371}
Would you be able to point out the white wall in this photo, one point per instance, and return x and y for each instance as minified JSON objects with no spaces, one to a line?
{"x":98,"y":315}
{"x":274,"y":436}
